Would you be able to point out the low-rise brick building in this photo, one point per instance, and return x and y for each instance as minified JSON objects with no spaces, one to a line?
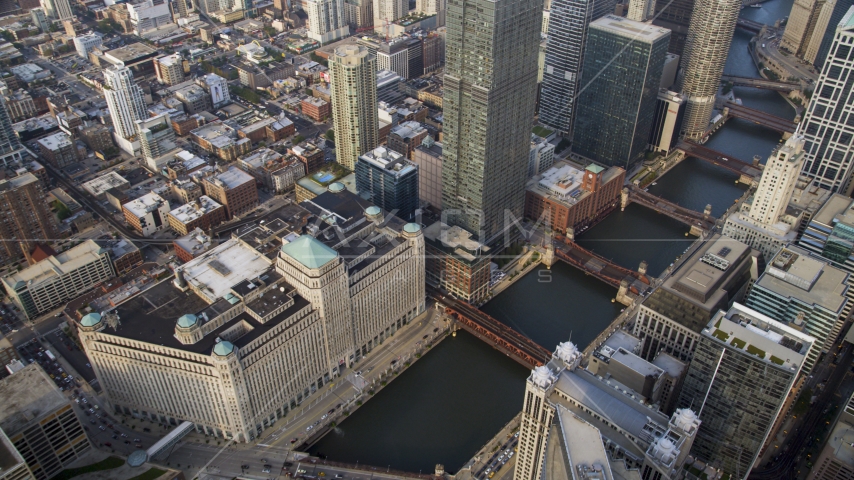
{"x":316,"y":109}
{"x":233,"y":188}
{"x":202,"y":213}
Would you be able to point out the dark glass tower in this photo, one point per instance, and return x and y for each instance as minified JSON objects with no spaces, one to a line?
{"x":389,"y":181}
{"x":616,"y":108}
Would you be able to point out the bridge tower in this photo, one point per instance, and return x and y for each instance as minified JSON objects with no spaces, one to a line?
{"x":624,"y":198}
{"x":756,"y":160}
{"x":570,"y":234}
{"x":642,"y":267}
{"x":549,"y":257}
{"x":707,"y":212}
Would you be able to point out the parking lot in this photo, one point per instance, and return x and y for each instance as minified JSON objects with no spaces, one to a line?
{"x":33,"y":352}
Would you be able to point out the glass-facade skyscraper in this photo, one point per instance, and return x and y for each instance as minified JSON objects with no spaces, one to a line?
{"x":828,"y":125}
{"x":621,"y":75}
{"x":567,"y":36}
{"x":492,"y":47}
{"x":389,"y":181}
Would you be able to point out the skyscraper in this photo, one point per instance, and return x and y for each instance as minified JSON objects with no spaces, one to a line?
{"x":617,"y":107}
{"x":801,"y":25}
{"x":706,"y":49}
{"x":353,"y":72}
{"x":825,"y":30}
{"x":567,"y":38}
{"x":742,"y":372}
{"x":11,"y":149}
{"x":327,"y":20}
{"x":58,"y":9}
{"x":124,"y":100}
{"x":674,"y":15}
{"x":490,"y":90}
{"x":828,"y":127}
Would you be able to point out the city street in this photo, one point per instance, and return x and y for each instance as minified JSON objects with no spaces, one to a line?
{"x":769,"y":47}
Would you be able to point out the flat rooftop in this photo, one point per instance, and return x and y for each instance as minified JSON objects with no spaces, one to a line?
{"x":455,"y":239}
{"x":109,"y":180}
{"x":145,"y":204}
{"x":562,"y":182}
{"x":838,"y":208}
{"x":794,"y":273}
{"x":196,"y":209}
{"x":152,"y":315}
{"x":636,"y":31}
{"x":583,"y":444}
{"x":232,"y":178}
{"x":742,"y":328}
{"x":217,"y":270}
{"x":56,"y":141}
{"x":700,"y":277}
{"x":129,"y":53}
{"x":27,"y":396}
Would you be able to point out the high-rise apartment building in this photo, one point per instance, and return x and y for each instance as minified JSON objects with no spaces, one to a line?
{"x":57,"y":279}
{"x":706,"y":49}
{"x":353,"y":72}
{"x":567,"y":41}
{"x":327,"y":20}
{"x":490,"y":91}
{"x":40,"y":19}
{"x":389,"y":181}
{"x":621,"y":75}
{"x":801,"y":25}
{"x":827,"y":128}
{"x":157,"y":138}
{"x":125,"y":102}
{"x":11,"y":149}
{"x":40,"y":422}
{"x":742,"y":373}
{"x":803,"y":291}
{"x":25,"y":217}
{"x":58,"y":9}
{"x":428,"y":157}
{"x":386,"y":12}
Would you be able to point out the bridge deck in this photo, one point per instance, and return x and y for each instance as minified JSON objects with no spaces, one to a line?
{"x":761,"y":83}
{"x":598,"y":266}
{"x":761,"y":118}
{"x":718,"y":158}
{"x":519,"y":347}
{"x":672,"y":210}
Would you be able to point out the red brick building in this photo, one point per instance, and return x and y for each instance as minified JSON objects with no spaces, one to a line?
{"x":233,"y":188}
{"x":311,"y":156}
{"x":316,"y":109}
{"x":569,"y":196}
{"x":203,"y":213}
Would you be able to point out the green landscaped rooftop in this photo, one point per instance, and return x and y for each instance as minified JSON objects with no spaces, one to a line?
{"x":309,"y":251}
{"x":541,"y":131}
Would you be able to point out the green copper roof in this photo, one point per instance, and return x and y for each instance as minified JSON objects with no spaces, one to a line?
{"x":309,"y":251}
{"x":90,"y":320}
{"x":223,"y":348}
{"x":373,"y":210}
{"x":187,"y":321}
{"x":411,"y":228}
{"x":595,"y":168}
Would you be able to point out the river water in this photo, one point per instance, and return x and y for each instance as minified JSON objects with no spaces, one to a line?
{"x":452,"y":401}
